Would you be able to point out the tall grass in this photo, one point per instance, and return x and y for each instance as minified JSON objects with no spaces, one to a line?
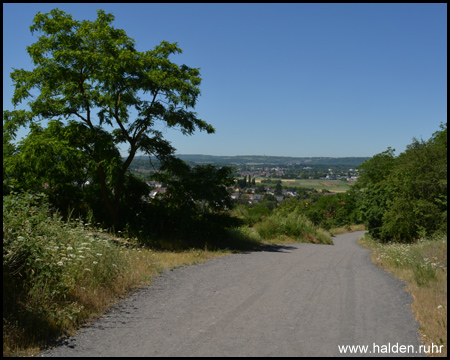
{"x":423,"y":265}
{"x":56,"y":274}
{"x":294,"y":226}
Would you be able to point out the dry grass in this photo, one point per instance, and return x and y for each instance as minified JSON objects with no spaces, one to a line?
{"x":344,"y":230}
{"x":171,"y":260}
{"x":424,"y":267}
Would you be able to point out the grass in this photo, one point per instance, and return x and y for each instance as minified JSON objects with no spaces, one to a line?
{"x":293,"y":226}
{"x":348,"y":229}
{"x":423,"y":265}
{"x":265,"y":226}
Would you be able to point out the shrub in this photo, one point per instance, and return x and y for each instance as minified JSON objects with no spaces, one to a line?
{"x":293,"y":225}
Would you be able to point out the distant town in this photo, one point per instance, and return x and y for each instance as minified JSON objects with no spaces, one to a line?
{"x":261,"y":175}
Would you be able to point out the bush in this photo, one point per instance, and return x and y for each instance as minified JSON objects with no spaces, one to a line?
{"x":269,"y":229}
{"x":252,"y":214}
{"x":294,"y":226}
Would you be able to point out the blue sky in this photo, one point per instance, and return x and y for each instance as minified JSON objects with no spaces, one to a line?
{"x":285,"y":79}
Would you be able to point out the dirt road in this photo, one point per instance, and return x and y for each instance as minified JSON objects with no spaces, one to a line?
{"x":294,"y":300}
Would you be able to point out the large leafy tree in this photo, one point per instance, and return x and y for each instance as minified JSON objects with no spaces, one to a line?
{"x":90,"y":73}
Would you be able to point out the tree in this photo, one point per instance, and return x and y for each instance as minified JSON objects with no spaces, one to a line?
{"x":418,"y":205}
{"x":45,"y":161}
{"x":201,"y":185}
{"x":242,"y":183}
{"x":376,"y":169}
{"x":269,"y":201}
{"x":278,"y":188}
{"x":91,"y":73}
{"x":402,"y":198}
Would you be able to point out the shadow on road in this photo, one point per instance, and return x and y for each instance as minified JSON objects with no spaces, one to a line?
{"x":279,"y":248}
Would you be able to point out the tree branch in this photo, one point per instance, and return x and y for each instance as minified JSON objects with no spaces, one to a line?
{"x":116,"y":116}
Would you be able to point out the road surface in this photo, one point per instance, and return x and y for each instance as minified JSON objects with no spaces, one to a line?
{"x":293,"y":300}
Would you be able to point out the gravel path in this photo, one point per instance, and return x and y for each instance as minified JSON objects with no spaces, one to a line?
{"x":293,"y":300}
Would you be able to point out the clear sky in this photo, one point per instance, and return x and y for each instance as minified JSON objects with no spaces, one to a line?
{"x":285,"y":79}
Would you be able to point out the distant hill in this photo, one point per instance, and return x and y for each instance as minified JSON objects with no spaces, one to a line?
{"x":263,"y":159}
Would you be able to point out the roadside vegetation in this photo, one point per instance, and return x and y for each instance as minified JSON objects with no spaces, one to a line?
{"x":423,"y":265}
{"x":58,"y":274}
{"x":403,"y":202}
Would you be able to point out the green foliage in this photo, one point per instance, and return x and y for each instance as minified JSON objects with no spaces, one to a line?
{"x":252,"y":214}
{"x":90,"y":74}
{"x":27,"y":248}
{"x":377,"y":169}
{"x":405,"y":197}
{"x":46,"y":161}
{"x":371,"y":207}
{"x":294,"y":226}
{"x":272,"y":224}
{"x":330,"y":211}
{"x":201,"y":185}
{"x":326,"y":211}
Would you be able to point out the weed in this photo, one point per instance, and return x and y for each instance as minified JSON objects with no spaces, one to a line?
{"x":423,"y":265}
